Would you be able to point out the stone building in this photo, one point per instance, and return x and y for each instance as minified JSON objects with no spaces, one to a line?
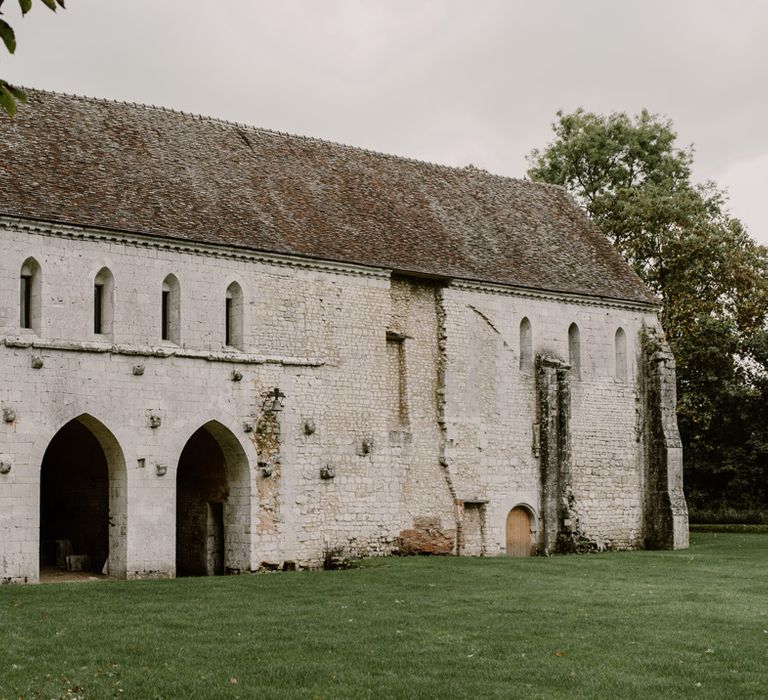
{"x":225,"y":349}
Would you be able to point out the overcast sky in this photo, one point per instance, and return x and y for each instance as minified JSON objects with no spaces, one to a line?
{"x":448,"y":81}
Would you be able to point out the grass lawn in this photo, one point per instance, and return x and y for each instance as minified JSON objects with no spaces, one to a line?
{"x":616,"y":625}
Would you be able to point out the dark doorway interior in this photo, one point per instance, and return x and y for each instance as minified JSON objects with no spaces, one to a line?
{"x":201,"y":489}
{"x":74,"y":501}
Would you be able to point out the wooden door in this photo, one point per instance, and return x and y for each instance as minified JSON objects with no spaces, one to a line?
{"x":519,"y":533}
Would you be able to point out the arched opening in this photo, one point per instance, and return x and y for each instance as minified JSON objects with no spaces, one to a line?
{"x":519,"y":532}
{"x":83,"y":501}
{"x":233,"y":314}
{"x":103,"y":302}
{"x":30,"y":296}
{"x":574,"y":350}
{"x":170,"y":321}
{"x":212,"y":504}
{"x":621,"y":355}
{"x":526,"y":346}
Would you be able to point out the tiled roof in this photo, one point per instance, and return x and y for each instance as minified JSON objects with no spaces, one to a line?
{"x":148,"y":170}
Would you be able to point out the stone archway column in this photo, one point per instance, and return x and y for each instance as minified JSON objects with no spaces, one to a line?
{"x":20,"y":513}
{"x":118,"y":496}
{"x":151,"y":514}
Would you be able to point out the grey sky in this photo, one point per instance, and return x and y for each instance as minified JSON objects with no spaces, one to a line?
{"x":449,"y":81}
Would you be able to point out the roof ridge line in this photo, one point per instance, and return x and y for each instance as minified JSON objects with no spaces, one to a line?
{"x":218,"y":121}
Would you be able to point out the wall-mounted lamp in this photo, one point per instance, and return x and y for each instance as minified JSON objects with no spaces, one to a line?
{"x":273,"y":401}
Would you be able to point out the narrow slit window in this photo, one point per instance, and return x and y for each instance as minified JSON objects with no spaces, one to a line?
{"x":233,"y":316}
{"x":98,"y":303}
{"x":103,"y":302}
{"x":30,"y":296}
{"x":526,"y":346}
{"x":228,"y":320}
{"x":574,"y":350}
{"x":25,"y":303}
{"x":166,"y":300}
{"x":170,"y":310}
{"x":621,"y":355}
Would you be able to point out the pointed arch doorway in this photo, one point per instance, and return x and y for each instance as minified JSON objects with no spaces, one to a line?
{"x":212,"y":504}
{"x":519,"y":532}
{"x":83,"y":501}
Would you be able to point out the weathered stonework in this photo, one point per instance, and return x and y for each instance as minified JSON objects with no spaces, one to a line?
{"x":665,"y":509}
{"x":411,"y":390}
{"x":554,"y":435}
{"x":397,"y":307}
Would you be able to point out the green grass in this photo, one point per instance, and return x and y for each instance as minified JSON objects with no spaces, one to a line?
{"x":616,"y":625}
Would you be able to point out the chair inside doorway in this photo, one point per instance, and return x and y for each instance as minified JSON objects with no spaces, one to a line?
{"x":74,"y":502}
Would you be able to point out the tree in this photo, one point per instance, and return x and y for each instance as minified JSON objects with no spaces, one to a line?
{"x":10,"y":94}
{"x":711,"y":278}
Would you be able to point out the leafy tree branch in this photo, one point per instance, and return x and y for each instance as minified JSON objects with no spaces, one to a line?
{"x":712,"y":278}
{"x":10,"y":94}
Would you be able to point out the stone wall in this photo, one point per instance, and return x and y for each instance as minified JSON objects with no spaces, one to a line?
{"x":405,"y":410}
{"x":666,"y":512}
{"x":493,"y":431}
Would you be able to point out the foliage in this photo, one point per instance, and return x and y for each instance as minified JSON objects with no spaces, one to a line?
{"x":9,"y":94}
{"x":746,"y":528}
{"x":727,"y":516}
{"x":711,"y":278}
{"x":617,"y":625}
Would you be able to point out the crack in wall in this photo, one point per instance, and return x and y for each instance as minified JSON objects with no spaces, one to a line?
{"x":489,"y":322}
{"x":442,"y":361}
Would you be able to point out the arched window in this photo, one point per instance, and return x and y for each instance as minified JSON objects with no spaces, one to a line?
{"x":171,"y":310}
{"x":526,"y":346}
{"x":621,"y":355}
{"x":30,"y":295}
{"x":574,"y":350}
{"x":233,"y":310}
{"x":103,"y":302}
